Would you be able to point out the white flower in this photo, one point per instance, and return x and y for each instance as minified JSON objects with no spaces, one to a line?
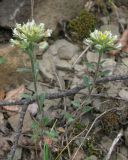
{"x":102,"y":40}
{"x":29,"y":33}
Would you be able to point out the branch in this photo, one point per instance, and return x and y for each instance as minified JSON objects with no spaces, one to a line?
{"x":65,"y":93}
{"x":18,"y":133}
{"x":120,"y":134}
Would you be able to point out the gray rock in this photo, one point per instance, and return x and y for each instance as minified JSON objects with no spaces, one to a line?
{"x":67,"y":50}
{"x":125,"y":61}
{"x":111,"y":27}
{"x":109,"y":65}
{"x":112,"y":89}
{"x":47,"y":67}
{"x":50,"y":12}
{"x":92,"y":157}
{"x":121,"y":70}
{"x":106,"y":143}
{"x":126,"y":136}
{"x":13,"y":120}
{"x":123,"y":94}
{"x":105,"y":20}
{"x":63,"y":65}
{"x":14,"y":11}
{"x":76,"y":81}
{"x":64,"y":49}
{"x":92,"y":57}
{"x":80,"y":70}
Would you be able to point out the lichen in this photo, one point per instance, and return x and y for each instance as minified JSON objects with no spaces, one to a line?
{"x":81,"y":26}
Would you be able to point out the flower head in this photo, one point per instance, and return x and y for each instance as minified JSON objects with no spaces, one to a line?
{"x":29,"y":33}
{"x":102,"y":40}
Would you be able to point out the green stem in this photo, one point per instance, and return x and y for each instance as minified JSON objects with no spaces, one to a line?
{"x":33,"y":61}
{"x":96,"y":72}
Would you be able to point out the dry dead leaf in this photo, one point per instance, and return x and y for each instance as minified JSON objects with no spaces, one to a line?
{"x":4,"y":146}
{"x":14,"y":95}
{"x":79,"y":156}
{"x":61,"y":129}
{"x":2,"y":94}
{"x":124,"y":42}
{"x":32,"y":109}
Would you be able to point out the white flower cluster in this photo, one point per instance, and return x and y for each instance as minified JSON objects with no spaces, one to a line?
{"x":102,"y":40}
{"x":29,"y":33}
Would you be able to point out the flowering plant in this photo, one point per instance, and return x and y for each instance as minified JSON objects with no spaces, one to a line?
{"x":102,"y":40}
{"x":29,"y":33}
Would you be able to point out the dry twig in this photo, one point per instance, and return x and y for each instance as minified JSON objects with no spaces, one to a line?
{"x":120,"y":134}
{"x":64,"y":93}
{"x":18,"y":133}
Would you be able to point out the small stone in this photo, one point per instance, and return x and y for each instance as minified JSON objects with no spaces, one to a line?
{"x":109,"y":65}
{"x":125,"y":61}
{"x":92,"y":157}
{"x":63,"y":65}
{"x":13,"y":120}
{"x":76,"y":81}
{"x":126,"y":136}
{"x":123,"y":94}
{"x":105,"y":20}
{"x":111,"y":27}
{"x":1,"y":118}
{"x":67,"y":50}
{"x":112,"y":89}
{"x":106,"y":143}
{"x":92,"y":57}
{"x":47,"y":67}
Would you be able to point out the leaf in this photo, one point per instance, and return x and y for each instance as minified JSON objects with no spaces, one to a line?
{"x":33,"y":108}
{"x":87,"y":81}
{"x":2,"y":60}
{"x":27,"y":96}
{"x":76,"y":104}
{"x":42,"y":99}
{"x":2,"y":94}
{"x":104,"y":73}
{"x":69,"y":117}
{"x":90,"y":65}
{"x":87,"y":109}
{"x":14,"y":95}
{"x":23,"y":70}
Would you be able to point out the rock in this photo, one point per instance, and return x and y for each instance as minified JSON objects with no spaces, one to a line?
{"x":67,"y":51}
{"x":106,"y":143}
{"x":112,"y":89}
{"x":105,"y":20}
{"x":64,"y":49}
{"x":1,"y":118}
{"x":92,"y":57}
{"x":13,"y":120}
{"x":46,"y":66}
{"x":111,"y":27}
{"x":57,"y":10}
{"x":80,"y":70}
{"x":63,"y":65}
{"x":76,"y":81}
{"x":14,"y":11}
{"x":123,"y":94}
{"x":92,"y":157}
{"x":79,"y":156}
{"x":126,"y":136}
{"x":74,"y":58}
{"x":97,"y":104}
{"x":109,"y":65}
{"x":125,"y":61}
{"x":121,"y":70}
{"x":18,"y":153}
{"x":124,"y":150}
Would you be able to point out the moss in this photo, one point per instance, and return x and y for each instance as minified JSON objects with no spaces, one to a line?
{"x":81,"y":26}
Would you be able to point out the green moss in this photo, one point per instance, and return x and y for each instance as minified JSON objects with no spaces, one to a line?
{"x":81,"y":26}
